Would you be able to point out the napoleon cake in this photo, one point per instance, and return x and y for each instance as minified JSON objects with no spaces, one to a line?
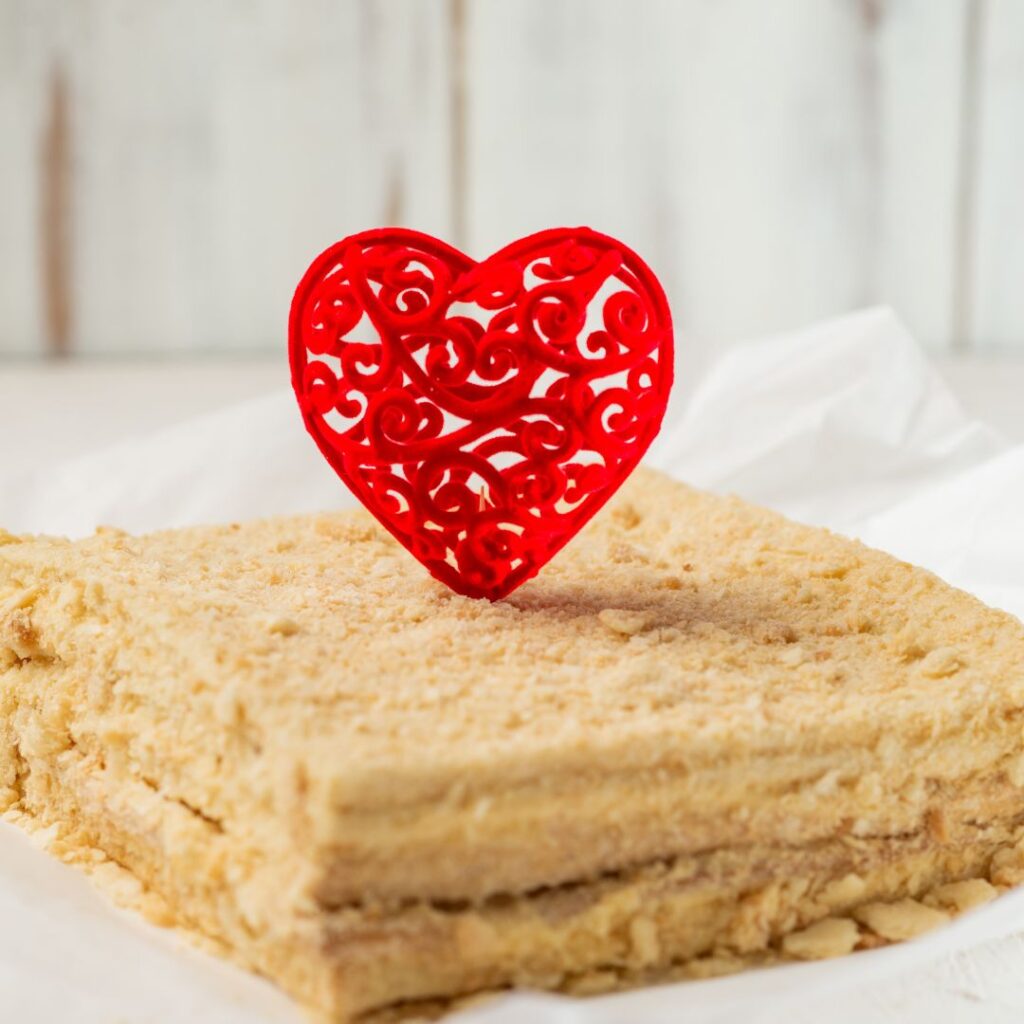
{"x":704,"y":737}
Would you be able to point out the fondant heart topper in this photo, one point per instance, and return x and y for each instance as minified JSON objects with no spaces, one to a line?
{"x":483,"y":412}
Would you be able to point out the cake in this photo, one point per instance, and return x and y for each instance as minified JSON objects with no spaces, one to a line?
{"x":704,"y":737}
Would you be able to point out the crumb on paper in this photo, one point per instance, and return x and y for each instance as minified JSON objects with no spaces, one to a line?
{"x":959,"y":897}
{"x":904,"y":919}
{"x":829,"y":937}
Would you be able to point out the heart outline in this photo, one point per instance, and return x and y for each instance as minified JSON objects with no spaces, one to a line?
{"x":576,"y":258}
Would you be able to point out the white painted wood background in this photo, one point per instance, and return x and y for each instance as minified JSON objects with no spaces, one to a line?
{"x":168,"y":168}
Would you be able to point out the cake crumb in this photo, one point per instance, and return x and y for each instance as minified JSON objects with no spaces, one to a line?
{"x":774,"y":632}
{"x":621,"y":620}
{"x":23,"y":598}
{"x":1008,"y":866}
{"x":831,"y":936}
{"x":1015,"y":771}
{"x":593,"y":983}
{"x":282,"y":626}
{"x":643,"y":937}
{"x":904,"y":919}
{"x":941,"y":663}
{"x":938,"y":827}
{"x":959,"y":897}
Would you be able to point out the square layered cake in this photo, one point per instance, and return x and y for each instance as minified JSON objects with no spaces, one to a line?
{"x":703,"y":737}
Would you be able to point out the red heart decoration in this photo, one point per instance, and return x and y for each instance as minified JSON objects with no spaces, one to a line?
{"x":483,"y":412}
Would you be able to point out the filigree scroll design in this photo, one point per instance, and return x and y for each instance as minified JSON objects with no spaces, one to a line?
{"x":483,"y":412}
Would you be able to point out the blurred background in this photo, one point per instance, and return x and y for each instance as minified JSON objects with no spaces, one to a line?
{"x":170,"y":167}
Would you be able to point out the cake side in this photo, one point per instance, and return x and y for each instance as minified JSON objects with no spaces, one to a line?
{"x":718,"y":911}
{"x":686,"y":917}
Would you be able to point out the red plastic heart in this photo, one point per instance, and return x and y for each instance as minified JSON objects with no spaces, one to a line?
{"x":483,"y":412}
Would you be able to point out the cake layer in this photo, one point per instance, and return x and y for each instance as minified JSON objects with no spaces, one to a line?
{"x":318,"y":754}
{"x":714,"y":912}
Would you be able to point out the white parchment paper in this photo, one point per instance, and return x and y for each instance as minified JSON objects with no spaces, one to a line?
{"x":845,"y":424}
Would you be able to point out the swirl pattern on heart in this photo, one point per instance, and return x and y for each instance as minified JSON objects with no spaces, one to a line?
{"x":483,"y":412}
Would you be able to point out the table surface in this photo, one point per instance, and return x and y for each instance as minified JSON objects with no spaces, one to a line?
{"x":49,"y":412}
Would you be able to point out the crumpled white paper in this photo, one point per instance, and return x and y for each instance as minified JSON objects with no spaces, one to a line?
{"x":845,"y":424}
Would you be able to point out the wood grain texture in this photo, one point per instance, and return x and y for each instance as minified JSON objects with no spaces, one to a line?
{"x":28,"y":52}
{"x":715,"y":138}
{"x":777,"y":162}
{"x":997,"y":284}
{"x":228,"y":143}
{"x":55,"y":214}
{"x":916,"y":118}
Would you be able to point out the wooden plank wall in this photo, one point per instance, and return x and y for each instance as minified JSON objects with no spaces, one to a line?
{"x":169,"y":168}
